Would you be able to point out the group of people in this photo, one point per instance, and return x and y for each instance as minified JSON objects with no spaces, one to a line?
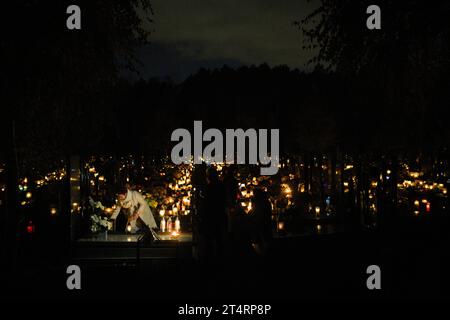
{"x":219,"y":227}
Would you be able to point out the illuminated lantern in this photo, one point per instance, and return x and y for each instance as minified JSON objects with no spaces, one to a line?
{"x":163,"y":225}
{"x":30,"y":227}
{"x":249,"y":207}
{"x":177,"y":225}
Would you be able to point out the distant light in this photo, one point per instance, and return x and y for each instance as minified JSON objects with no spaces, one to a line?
{"x":30,"y":227}
{"x":28,"y":195}
{"x":53,"y":211}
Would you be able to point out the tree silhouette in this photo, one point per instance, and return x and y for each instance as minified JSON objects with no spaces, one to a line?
{"x":54,"y":78}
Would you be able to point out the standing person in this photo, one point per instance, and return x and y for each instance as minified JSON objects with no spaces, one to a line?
{"x":262,"y":210}
{"x":198,"y":204}
{"x":231,"y":188}
{"x":136,"y":209}
{"x":214,"y":219}
{"x":231,"y":193}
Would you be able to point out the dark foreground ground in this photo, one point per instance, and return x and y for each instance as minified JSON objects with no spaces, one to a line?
{"x":414,"y":264}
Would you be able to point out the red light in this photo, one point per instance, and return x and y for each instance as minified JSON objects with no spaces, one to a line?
{"x":428,"y":207}
{"x":30,"y":227}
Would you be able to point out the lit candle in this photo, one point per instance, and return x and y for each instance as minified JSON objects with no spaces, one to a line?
{"x":163,"y":225}
{"x":177,"y":225}
{"x":280,"y":225}
{"x":129,"y":228}
{"x":317,"y":209}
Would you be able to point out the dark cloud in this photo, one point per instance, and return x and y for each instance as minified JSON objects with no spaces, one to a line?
{"x":189,"y":34}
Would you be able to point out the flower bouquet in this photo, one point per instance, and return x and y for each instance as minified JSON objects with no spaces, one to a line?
{"x":99,"y":223}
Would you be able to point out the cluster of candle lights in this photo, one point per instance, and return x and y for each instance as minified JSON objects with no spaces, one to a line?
{"x":178,"y":202}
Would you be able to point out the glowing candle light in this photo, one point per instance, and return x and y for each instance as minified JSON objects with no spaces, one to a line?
{"x":163,"y":225}
{"x":177,"y":225}
{"x":249,"y":207}
{"x":129,"y":228}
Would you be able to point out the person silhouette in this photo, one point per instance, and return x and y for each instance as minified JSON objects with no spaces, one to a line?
{"x":214,"y":219}
{"x":262,"y":211}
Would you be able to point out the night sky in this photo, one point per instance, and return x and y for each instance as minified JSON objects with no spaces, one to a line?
{"x":188,"y":35}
